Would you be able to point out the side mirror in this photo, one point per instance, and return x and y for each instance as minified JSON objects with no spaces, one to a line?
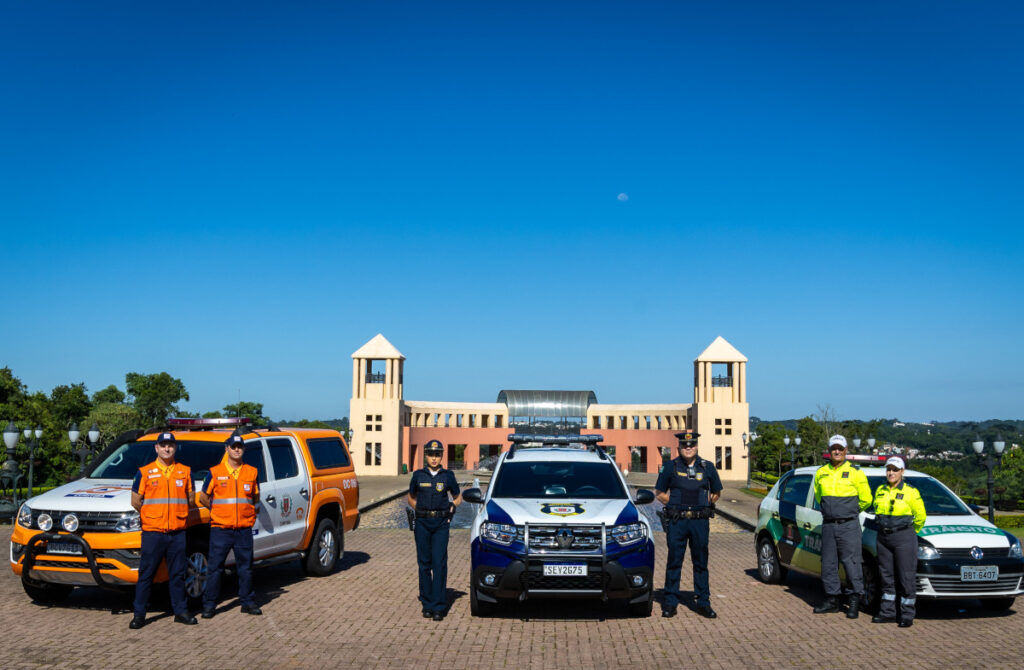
{"x":473,"y":496}
{"x":643,"y":497}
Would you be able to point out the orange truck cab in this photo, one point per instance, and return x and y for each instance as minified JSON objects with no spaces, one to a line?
{"x":86,"y":533}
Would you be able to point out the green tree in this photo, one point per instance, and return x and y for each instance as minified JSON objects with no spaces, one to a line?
{"x":253,"y":410}
{"x":153,"y":396}
{"x":114,"y":418}
{"x":213,"y":415}
{"x":813,"y":441}
{"x":70,"y":404}
{"x":108,"y":395}
{"x":769,"y":450}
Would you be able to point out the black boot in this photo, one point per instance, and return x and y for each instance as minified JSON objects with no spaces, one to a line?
{"x":853,"y":609}
{"x":829,"y":605}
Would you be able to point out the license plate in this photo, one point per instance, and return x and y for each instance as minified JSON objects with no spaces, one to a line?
{"x":63,"y":548}
{"x":565,"y":569}
{"x":979,"y":573}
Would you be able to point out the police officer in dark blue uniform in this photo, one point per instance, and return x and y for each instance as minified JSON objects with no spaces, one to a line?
{"x":688,"y":486}
{"x":434,"y":494}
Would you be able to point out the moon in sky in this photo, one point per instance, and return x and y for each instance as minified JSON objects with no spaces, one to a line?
{"x":623,"y":197}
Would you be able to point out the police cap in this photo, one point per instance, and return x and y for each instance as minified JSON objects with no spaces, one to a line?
{"x":688,"y":437}
{"x":166,"y":437}
{"x":433,"y":447}
{"x":235,"y":441}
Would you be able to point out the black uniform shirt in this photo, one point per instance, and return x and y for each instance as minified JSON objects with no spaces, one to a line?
{"x":431,"y":491}
{"x":688,"y":486}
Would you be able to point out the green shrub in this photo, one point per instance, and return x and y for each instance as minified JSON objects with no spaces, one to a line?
{"x":1010,"y":521}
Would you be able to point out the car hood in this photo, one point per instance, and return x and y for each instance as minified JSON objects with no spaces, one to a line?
{"x":566,"y":511}
{"x":87,"y":495}
{"x":950,"y":532}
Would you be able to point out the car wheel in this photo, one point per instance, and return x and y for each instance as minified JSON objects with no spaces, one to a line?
{"x":197,"y":568}
{"x":872,"y":586}
{"x":997,"y":604}
{"x":768,"y":567}
{"x":322,"y":555}
{"x":48,"y":594}
{"x":643,"y":609}
{"x":478,"y":607}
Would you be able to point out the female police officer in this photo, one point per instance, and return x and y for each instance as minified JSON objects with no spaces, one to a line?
{"x":688,"y":486}
{"x":429,"y":489}
{"x":899,"y":513}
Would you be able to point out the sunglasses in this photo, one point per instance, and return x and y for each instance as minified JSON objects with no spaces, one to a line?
{"x":236,"y":446}
{"x":892,"y":469}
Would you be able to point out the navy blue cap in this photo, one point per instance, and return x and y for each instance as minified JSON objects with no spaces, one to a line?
{"x":434,"y":446}
{"x":166,"y":437}
{"x":233,"y":440}
{"x":688,"y":436}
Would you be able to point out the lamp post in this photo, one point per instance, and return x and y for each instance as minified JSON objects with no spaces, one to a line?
{"x":989,"y":462}
{"x":747,"y":449}
{"x":856,"y":443}
{"x":85,"y":450}
{"x":792,"y":450}
{"x":10,"y":475}
{"x":33,"y":444}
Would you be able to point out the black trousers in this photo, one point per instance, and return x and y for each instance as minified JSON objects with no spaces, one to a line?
{"x":897,"y":567}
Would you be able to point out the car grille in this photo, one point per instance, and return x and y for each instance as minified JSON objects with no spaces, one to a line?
{"x":87,"y":521}
{"x":77,"y":565}
{"x":546,"y":538}
{"x":994,"y":552}
{"x":536,"y":581}
{"x":952,"y":584}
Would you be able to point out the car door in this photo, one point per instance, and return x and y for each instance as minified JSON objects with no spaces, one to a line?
{"x":263,"y":530}
{"x":792,"y":506}
{"x":287,"y":493}
{"x":808,"y":518}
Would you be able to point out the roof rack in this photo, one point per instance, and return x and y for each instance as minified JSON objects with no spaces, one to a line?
{"x":520,"y":440}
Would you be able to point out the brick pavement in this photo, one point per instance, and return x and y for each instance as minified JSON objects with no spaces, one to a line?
{"x":365,"y":615}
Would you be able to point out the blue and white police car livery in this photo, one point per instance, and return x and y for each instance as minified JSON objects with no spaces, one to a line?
{"x":959,"y":553}
{"x":558,"y":521}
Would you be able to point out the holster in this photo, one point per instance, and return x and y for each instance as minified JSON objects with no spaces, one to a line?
{"x":410,"y":515}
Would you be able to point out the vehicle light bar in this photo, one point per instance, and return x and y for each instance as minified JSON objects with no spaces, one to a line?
{"x":229,"y":422}
{"x":859,"y":458}
{"x":521,"y":438}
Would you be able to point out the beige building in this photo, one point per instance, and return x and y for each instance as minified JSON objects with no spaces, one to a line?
{"x":388,"y":431}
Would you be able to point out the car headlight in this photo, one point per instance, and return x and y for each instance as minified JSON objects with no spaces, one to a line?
{"x":630,"y":533}
{"x":45,"y":522}
{"x":25,"y":516}
{"x":1015,"y":547}
{"x":129,"y":521}
{"x":500,"y":533}
{"x":926,"y":552}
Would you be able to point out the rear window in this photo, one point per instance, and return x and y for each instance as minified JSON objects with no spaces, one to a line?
{"x":557,"y":480}
{"x":328,"y":452}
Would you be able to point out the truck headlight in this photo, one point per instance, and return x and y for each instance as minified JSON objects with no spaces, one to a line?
{"x":1015,"y":548}
{"x":926,"y":552}
{"x":630,"y":533}
{"x":129,"y":522}
{"x":500,"y":533}
{"x":45,"y":522}
{"x":25,"y":516}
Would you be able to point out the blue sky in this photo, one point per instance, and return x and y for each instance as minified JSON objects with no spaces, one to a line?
{"x":518,"y":195}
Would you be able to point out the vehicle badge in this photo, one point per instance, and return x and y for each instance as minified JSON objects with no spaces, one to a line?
{"x":298,"y":513}
{"x":564,"y":538}
{"x":976,"y":553}
{"x":571,"y":509}
{"x":286,"y":505}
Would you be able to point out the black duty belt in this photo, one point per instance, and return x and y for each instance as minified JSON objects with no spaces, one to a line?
{"x":852,"y":518}
{"x":431,"y":513}
{"x":701,"y":513}
{"x":890,"y":531}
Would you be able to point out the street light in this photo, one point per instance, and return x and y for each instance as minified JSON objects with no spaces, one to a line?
{"x":33,"y":444}
{"x":747,"y":449}
{"x":792,"y":450}
{"x":989,"y":462}
{"x":9,"y":473}
{"x":84,"y":451}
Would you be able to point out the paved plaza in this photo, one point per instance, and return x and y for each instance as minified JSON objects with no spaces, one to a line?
{"x":366,"y":615}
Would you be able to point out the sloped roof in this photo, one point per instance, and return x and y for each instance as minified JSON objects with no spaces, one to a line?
{"x":720,"y":351}
{"x":377,"y":348}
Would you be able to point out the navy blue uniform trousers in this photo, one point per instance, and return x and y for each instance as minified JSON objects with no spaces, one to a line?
{"x":680,"y":531}
{"x":223,"y":540}
{"x":432,"y":556}
{"x":155,"y":547}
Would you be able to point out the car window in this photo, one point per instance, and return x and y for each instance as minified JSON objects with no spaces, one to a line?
{"x":126,"y":460}
{"x":557,"y":479}
{"x":282,"y":457}
{"x":327,"y":452}
{"x":782,"y":485}
{"x":795,"y":489}
{"x":253,"y":455}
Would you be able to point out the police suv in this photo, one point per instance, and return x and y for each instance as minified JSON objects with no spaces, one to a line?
{"x":959,"y":554}
{"x":558,"y":521}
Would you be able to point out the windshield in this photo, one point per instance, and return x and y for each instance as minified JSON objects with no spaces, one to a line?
{"x":938,"y":500}
{"x":126,"y":460}
{"x":557,"y":480}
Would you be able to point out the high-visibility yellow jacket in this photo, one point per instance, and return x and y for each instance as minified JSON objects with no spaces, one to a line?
{"x":899,"y":506}
{"x":842,"y":492}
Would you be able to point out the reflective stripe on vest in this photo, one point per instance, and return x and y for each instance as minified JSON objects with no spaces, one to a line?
{"x":164,"y":502}
{"x":231,"y":505}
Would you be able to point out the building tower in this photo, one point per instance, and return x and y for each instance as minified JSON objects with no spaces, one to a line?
{"x":375,"y":409}
{"x":720,"y":405}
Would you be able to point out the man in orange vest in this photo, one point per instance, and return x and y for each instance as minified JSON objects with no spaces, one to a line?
{"x":231,"y":491}
{"x":162,"y":494}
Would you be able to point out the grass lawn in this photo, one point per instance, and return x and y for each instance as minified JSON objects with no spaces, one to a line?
{"x":757,"y":493}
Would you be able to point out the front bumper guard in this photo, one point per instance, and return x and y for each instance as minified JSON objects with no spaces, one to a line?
{"x":32,"y":548}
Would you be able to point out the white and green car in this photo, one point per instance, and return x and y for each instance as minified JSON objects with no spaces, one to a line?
{"x":959,"y":554}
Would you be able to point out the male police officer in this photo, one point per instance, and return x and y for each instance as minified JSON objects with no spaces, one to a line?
{"x":232,"y":494}
{"x":688,"y":486}
{"x":842,"y":491}
{"x":162,"y":494}
{"x":429,"y":491}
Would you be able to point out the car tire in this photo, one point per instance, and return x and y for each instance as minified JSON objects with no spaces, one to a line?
{"x":197,"y":569}
{"x":644,"y":609}
{"x":323,"y":550}
{"x":48,"y":594}
{"x":872,"y":597}
{"x":476,"y":606}
{"x":769,"y":569}
{"x":997,"y":604}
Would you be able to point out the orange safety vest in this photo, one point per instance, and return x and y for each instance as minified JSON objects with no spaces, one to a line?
{"x":165,"y":499}
{"x":231,"y":500}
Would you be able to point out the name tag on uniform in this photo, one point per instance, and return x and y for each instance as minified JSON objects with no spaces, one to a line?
{"x":152,"y":476}
{"x":680,"y":474}
{"x":221,"y":477}
{"x":427,"y":484}
{"x":846,"y":475}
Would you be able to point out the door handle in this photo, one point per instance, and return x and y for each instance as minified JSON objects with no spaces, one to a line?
{"x":304,"y":493}
{"x":270,"y":499}
{"x":807,"y":526}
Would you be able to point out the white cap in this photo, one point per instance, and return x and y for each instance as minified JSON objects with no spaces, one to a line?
{"x":897,"y":461}
{"x":837,"y":439}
